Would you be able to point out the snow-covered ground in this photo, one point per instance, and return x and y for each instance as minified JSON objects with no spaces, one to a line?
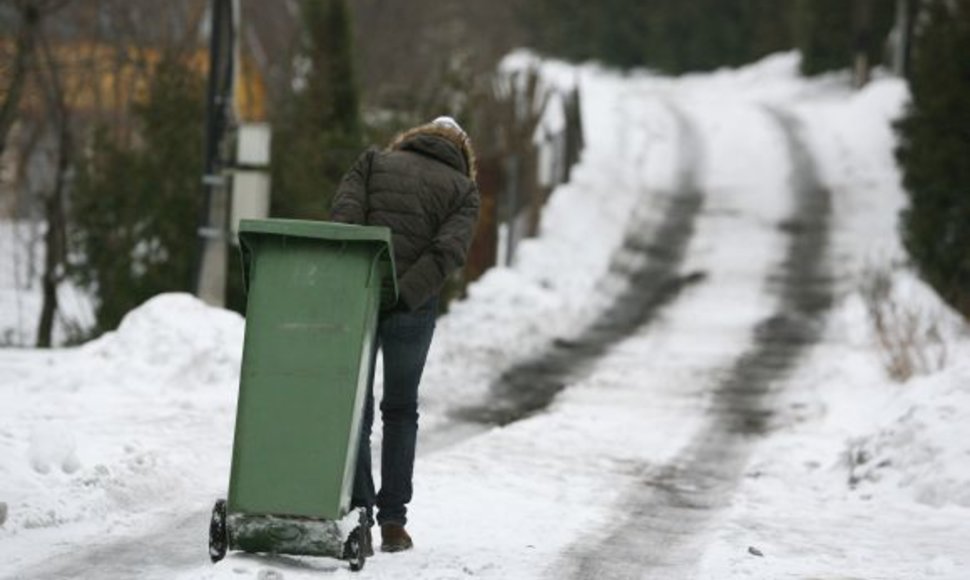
{"x":112,"y":453}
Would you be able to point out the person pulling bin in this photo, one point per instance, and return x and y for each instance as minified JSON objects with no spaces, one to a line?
{"x":422,"y":187}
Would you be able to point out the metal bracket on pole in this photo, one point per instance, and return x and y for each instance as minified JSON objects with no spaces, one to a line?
{"x":215,"y":180}
{"x":212,"y":233}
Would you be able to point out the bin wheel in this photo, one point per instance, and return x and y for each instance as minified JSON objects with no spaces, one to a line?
{"x":218,"y":532}
{"x":354,"y":549}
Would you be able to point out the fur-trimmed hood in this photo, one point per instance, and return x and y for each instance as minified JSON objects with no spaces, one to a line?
{"x":443,"y":143}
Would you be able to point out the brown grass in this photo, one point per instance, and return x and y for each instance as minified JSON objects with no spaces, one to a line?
{"x":909,"y":338}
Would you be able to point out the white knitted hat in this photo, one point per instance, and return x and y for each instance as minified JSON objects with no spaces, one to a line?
{"x":445,"y":121}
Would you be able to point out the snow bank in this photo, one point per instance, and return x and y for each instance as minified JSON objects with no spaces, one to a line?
{"x":921,"y":446}
{"x":114,"y":430}
{"x":910,"y":438}
{"x":171,"y":341}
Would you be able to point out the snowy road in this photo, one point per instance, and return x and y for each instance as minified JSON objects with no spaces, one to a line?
{"x":156,"y":551}
{"x":646,"y":268}
{"x":665,"y":377}
{"x":659,"y":518}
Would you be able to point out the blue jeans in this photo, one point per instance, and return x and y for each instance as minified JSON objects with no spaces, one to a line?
{"x":404,"y":339}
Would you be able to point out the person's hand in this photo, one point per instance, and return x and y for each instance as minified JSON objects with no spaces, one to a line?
{"x":396,"y":308}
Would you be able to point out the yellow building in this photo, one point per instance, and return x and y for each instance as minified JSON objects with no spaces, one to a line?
{"x":100,"y":83}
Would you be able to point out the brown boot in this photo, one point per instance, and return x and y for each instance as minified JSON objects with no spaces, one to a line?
{"x":394,"y":538}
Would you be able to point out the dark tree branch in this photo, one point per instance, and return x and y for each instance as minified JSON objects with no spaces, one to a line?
{"x":23,"y":57}
{"x":32,"y":13}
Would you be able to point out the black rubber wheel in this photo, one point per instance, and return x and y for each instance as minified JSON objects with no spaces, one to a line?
{"x":354,"y":549}
{"x":218,"y":532}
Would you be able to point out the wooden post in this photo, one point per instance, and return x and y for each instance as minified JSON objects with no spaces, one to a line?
{"x":902,"y":38}
{"x":862,"y":24}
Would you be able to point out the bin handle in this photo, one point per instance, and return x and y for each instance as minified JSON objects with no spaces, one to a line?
{"x":373,"y":266}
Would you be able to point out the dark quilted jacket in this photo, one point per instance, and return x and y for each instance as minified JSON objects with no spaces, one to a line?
{"x":422,"y":188}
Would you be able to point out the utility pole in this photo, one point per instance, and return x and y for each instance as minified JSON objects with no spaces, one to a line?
{"x":210,"y":283}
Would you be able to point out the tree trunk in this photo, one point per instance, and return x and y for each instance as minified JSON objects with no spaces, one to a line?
{"x":55,"y":238}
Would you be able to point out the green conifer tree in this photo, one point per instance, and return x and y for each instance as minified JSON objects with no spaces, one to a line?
{"x":823,"y":32}
{"x":934,"y":151}
{"x":670,"y":35}
{"x":318,"y":130}
{"x":827,"y":32}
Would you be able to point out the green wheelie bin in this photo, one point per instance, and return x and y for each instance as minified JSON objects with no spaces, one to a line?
{"x":314,"y":291}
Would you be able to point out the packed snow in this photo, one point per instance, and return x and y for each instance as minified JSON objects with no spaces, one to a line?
{"x":111,"y":453}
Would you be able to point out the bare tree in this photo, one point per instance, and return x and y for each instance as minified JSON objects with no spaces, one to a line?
{"x":23,"y":55}
{"x":25,"y":71}
{"x":59,"y":114}
{"x":406,"y":50}
{"x":31,"y":13}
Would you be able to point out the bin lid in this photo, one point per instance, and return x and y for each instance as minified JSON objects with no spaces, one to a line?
{"x":316,"y":229}
{"x":329,"y":231}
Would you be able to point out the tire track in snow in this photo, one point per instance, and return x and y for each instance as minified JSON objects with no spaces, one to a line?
{"x":658,"y":533}
{"x":156,"y":552}
{"x":651,"y":282}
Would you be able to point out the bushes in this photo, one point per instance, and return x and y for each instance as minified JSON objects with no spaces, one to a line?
{"x":934,"y":150}
{"x":829,"y":32}
{"x":676,"y":36}
{"x":669,"y":35}
{"x":136,"y":204}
